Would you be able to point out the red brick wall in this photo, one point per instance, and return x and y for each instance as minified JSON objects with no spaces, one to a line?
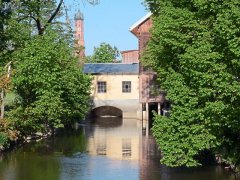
{"x":130,"y":56}
{"x":143,"y":34}
{"x":79,"y":36}
{"x":145,"y":78}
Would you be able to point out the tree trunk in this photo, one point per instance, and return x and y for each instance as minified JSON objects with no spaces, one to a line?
{"x":2,"y":104}
{"x":8,"y":66}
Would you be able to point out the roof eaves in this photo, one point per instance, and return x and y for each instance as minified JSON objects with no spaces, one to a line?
{"x":140,"y":21}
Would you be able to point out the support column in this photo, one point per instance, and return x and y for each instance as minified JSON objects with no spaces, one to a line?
{"x":143,"y":118}
{"x":159,"y":109}
{"x":147,"y":119}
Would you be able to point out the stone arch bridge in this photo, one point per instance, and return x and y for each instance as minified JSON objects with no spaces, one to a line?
{"x":120,"y":108}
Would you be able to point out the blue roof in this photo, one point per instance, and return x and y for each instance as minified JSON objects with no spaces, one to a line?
{"x":111,"y":68}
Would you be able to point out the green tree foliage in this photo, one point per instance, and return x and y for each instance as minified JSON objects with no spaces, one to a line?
{"x":195,"y":51}
{"x":39,"y":13}
{"x":50,"y":88}
{"x":52,"y":91}
{"x":4,"y":141}
{"x":5,"y":15}
{"x":105,"y":53}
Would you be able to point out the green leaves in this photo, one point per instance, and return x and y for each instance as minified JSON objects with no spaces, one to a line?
{"x":195,"y":51}
{"x":105,"y":53}
{"x":4,"y":141}
{"x":51,"y":87}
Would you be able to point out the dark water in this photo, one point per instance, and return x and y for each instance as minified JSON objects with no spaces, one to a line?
{"x":108,"y":149}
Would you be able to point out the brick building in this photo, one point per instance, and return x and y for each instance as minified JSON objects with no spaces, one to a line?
{"x":130,"y":56}
{"x":150,"y":94}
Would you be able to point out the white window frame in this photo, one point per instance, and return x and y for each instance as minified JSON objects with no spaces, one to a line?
{"x":126,"y":87}
{"x":102,"y":87}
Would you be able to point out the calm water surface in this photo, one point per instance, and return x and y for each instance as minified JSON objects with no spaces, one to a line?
{"x":108,"y":149}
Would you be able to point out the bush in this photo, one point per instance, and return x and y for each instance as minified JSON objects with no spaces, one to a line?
{"x":4,"y":141}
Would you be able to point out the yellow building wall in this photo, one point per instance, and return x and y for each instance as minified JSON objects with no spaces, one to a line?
{"x":114,"y":87}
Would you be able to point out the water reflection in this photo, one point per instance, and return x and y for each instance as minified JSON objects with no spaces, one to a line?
{"x":106,"y":148}
{"x":107,"y":122}
{"x":114,"y":141}
{"x":28,"y":166}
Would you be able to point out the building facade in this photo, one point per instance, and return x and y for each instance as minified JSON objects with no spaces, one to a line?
{"x":115,"y":85}
{"x":127,"y":86}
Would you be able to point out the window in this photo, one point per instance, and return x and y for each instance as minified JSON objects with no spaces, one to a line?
{"x":126,"y":86}
{"x":101,"y":87}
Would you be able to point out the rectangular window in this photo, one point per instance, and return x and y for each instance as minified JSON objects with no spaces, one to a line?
{"x":126,"y":86}
{"x":101,"y":87}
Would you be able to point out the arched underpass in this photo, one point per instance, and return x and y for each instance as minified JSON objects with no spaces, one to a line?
{"x":106,"y":111}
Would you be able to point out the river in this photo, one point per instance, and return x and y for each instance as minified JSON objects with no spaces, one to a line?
{"x":106,"y":149}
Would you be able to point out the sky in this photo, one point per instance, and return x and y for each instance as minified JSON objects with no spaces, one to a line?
{"x":109,"y":22}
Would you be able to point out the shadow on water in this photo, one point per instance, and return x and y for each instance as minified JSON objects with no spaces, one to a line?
{"x":107,"y":121}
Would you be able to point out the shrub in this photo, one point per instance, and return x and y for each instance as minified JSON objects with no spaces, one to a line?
{"x":4,"y":141}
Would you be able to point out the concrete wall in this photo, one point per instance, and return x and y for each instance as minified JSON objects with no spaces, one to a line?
{"x":114,"y":87}
{"x":127,"y":102}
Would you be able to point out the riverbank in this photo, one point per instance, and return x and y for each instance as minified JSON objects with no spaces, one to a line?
{"x":21,"y":141}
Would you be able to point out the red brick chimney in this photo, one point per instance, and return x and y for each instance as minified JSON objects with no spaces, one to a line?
{"x":79,"y":34}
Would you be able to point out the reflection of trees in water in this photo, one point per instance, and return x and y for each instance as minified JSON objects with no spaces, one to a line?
{"x":28,"y":166}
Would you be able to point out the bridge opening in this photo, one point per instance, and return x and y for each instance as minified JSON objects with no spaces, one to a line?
{"x":107,"y":111}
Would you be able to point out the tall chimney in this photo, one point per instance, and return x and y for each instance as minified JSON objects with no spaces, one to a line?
{"x":79,"y":34}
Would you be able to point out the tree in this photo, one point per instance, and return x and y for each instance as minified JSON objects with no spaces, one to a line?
{"x":5,"y":37}
{"x":50,"y":87}
{"x":194,"y":48}
{"x":105,"y":53}
{"x":4,"y":86}
{"x":43,"y":13}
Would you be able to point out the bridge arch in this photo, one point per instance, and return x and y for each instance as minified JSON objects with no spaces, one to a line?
{"x":107,"y":111}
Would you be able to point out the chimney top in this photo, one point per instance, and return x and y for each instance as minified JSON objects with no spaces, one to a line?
{"x":78,"y":16}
